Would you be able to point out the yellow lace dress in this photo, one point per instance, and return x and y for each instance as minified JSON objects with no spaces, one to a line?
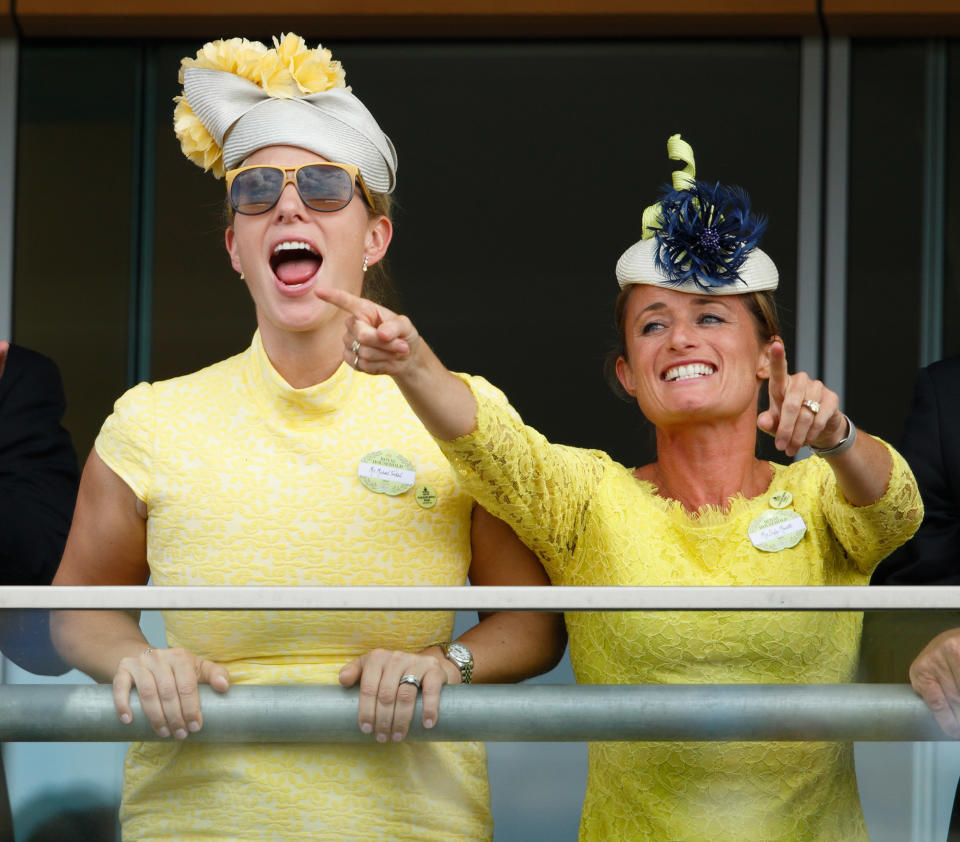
{"x":248,"y":481}
{"x":593,"y":523}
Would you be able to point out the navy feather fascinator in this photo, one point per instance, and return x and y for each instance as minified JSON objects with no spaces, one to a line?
{"x":706,"y":234}
{"x":699,"y":238}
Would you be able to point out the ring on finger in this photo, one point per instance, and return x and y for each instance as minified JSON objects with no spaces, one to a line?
{"x":356,"y":361}
{"x":147,"y":651}
{"x":409,"y":678}
{"x":813,"y":406}
{"x":355,"y":346}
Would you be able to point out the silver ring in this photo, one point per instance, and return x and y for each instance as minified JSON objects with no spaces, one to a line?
{"x":813,"y":406}
{"x":411,"y":679}
{"x":147,"y":651}
{"x":355,"y":346}
{"x":356,"y":361}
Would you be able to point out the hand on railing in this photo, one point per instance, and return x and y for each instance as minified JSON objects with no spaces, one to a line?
{"x":935,"y":676}
{"x":166,"y":681}
{"x":388,"y":694}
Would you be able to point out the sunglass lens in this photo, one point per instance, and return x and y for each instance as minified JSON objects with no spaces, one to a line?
{"x":325,"y":188}
{"x":256,"y":190}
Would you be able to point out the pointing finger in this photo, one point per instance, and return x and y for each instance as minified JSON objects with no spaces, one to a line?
{"x":778,"y":362}
{"x":356,"y":306}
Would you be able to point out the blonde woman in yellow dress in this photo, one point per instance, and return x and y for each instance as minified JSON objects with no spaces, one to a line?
{"x":698,"y":340}
{"x":283,"y":466}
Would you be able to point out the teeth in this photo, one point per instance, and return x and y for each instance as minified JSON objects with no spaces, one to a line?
{"x":294,"y":245}
{"x":685,"y":372}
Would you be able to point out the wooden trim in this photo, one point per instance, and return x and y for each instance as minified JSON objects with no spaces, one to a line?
{"x":6,"y":19}
{"x":477,"y":18}
{"x":417,"y":18}
{"x":892,"y":18}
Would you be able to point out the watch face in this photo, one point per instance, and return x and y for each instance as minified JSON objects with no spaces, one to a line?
{"x":459,"y":653}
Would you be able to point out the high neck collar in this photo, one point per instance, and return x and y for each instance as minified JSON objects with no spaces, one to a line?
{"x":312,"y":404}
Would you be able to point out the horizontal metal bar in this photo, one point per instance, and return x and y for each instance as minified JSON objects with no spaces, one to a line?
{"x":497,"y":713}
{"x":498,"y":598}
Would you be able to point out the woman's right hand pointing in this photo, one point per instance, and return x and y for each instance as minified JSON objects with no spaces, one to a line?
{"x":377,"y":340}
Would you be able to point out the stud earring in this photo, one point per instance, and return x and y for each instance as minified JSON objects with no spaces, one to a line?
{"x":364,"y":263}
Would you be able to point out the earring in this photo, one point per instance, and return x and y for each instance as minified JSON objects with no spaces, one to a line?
{"x":242,"y":277}
{"x":364,"y":263}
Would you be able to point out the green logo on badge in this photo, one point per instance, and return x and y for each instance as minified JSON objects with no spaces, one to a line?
{"x":781,"y":500}
{"x":426,"y":497}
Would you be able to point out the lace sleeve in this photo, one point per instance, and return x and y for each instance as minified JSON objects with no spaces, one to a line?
{"x":870,"y":533}
{"x":541,"y":489}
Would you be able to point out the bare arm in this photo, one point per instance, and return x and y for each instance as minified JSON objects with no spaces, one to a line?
{"x":107,"y":546}
{"x":863,"y":471}
{"x":509,"y":646}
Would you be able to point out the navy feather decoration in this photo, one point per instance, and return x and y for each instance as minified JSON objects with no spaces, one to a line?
{"x":706,"y":234}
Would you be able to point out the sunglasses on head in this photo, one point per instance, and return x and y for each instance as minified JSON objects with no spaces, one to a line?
{"x":322,"y":186}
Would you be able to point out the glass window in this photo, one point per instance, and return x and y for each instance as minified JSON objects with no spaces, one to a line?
{"x":72,"y":263}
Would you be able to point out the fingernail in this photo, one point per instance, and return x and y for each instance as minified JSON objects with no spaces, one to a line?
{"x":126,"y":718}
{"x":397,"y":737}
{"x":381,"y":738}
{"x":193,"y":726}
{"x":366,"y":728}
{"x":164,"y":731}
{"x":427,"y":723}
{"x":180,"y":734}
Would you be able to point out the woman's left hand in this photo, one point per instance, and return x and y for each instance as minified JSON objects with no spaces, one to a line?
{"x":802,"y":411}
{"x":387,"y":705}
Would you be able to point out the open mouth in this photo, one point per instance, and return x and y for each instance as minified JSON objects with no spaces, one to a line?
{"x":295,"y":262}
{"x":687,"y":372}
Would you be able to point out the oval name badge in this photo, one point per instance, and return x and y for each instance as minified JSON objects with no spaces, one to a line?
{"x":387,"y":472}
{"x":776,"y":529}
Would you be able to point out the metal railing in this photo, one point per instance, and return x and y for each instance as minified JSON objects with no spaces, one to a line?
{"x":493,"y":598}
{"x":497,"y":713}
{"x":527,"y":712}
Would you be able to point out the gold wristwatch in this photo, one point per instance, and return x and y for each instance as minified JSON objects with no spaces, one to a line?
{"x":461,"y":657}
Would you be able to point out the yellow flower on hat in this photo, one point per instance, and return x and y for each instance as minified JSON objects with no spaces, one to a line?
{"x":195,"y":141}
{"x":236,"y":55}
{"x":313,"y":71}
{"x":289,"y":69}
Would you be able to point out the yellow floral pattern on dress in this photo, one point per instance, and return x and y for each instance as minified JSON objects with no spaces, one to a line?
{"x":593,"y":523}
{"x":248,"y":481}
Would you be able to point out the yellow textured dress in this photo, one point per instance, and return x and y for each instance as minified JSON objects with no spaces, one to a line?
{"x":248,"y":481}
{"x":593,"y":523}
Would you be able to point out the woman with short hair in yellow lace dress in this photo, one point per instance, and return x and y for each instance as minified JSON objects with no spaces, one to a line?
{"x":698,"y":340}
{"x":284,"y":466}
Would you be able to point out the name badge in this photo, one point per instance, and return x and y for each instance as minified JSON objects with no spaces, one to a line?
{"x":776,"y":529}
{"x":387,"y":472}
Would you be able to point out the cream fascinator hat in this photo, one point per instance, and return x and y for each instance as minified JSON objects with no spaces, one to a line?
{"x":699,"y":238}
{"x":239,"y":96}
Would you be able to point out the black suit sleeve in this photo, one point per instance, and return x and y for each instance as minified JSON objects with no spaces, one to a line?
{"x":931,"y":445}
{"x":38,"y":487}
